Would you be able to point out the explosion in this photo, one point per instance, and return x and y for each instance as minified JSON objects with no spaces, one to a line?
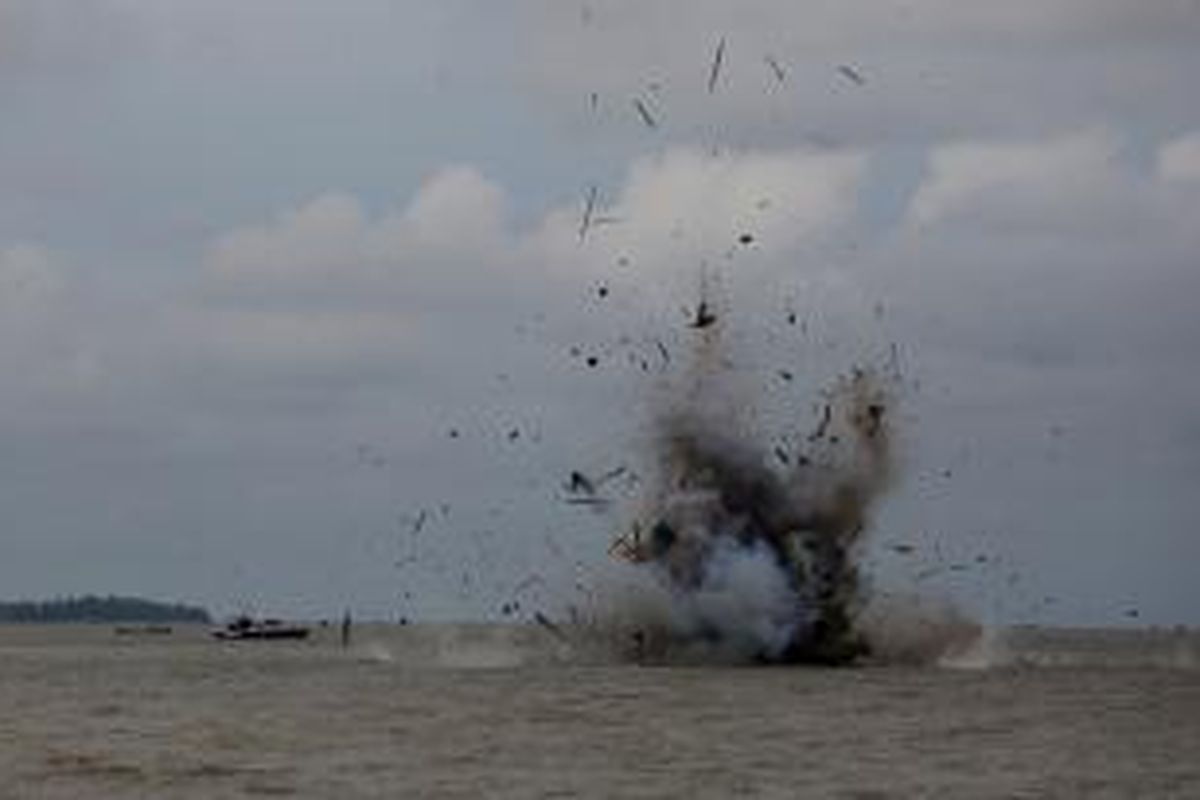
{"x":759,"y":556}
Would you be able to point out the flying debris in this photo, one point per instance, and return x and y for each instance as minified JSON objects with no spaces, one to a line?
{"x":644,"y":113}
{"x":851,"y":74}
{"x":704,"y":318}
{"x":545,"y":622}
{"x":585,"y":491}
{"x":776,"y":68}
{"x":592,"y":501}
{"x":823,"y":426}
{"x":588,"y":207}
{"x":579,"y":482}
{"x":582,"y":491}
{"x":612,"y":474}
{"x":715,"y":71}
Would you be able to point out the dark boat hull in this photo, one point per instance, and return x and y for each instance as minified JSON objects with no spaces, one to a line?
{"x":260,"y":632}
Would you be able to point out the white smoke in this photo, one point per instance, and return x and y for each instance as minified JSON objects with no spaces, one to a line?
{"x":744,"y":605}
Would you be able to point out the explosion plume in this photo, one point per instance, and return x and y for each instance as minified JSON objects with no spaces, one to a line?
{"x":757,"y":548}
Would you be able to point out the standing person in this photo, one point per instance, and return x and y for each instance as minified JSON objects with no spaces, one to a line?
{"x":346,"y":624}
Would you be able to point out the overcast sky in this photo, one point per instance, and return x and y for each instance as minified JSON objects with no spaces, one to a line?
{"x":295,"y":313}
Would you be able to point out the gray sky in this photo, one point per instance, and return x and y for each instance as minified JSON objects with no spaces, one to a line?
{"x":258,"y":261}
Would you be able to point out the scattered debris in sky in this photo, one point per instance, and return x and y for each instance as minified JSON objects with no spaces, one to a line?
{"x":704,"y":316}
{"x":589,"y":206}
{"x":644,"y":113}
{"x":776,"y":68}
{"x":851,"y":74}
{"x":714,"y":72}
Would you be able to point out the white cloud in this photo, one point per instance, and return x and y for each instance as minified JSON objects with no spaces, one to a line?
{"x":453,"y":245}
{"x":319,"y":239}
{"x":1031,"y":179}
{"x":457,"y":209}
{"x":686,"y":207}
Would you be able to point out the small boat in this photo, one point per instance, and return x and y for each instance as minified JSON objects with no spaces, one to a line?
{"x":248,"y":628}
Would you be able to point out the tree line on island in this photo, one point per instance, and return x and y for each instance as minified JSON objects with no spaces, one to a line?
{"x":93,"y":608}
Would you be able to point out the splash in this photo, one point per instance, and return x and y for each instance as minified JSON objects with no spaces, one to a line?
{"x":757,"y":548}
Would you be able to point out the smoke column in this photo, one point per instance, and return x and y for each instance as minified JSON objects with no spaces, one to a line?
{"x":755,"y":547}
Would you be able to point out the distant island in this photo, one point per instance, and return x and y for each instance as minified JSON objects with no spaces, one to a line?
{"x":92,"y":608}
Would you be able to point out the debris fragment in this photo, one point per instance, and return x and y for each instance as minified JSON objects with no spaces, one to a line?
{"x":579,"y":482}
{"x":715,"y":71}
{"x":662,"y":351}
{"x":554,"y":630}
{"x":776,"y":68}
{"x":705,"y":316}
{"x":823,"y":424}
{"x":628,"y":546}
{"x":851,"y":74}
{"x":644,"y":113}
{"x":612,"y":474}
{"x":594,"y":501}
{"x":588,"y":207}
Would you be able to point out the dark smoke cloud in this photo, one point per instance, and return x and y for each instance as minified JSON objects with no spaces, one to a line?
{"x":757,"y":547}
